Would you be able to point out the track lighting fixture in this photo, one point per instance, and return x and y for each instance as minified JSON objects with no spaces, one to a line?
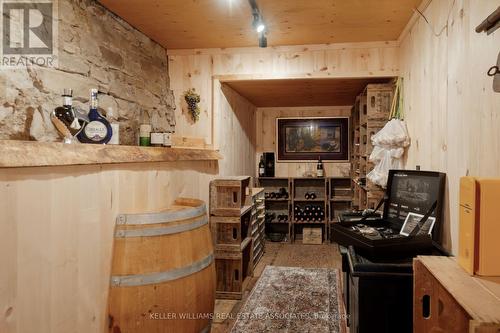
{"x":258,"y":23}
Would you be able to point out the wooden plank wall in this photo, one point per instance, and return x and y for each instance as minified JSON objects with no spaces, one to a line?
{"x":266,"y":137}
{"x":202,"y":68}
{"x":56,"y":233}
{"x":453,"y":115}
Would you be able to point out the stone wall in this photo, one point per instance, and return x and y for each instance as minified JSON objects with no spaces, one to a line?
{"x":96,"y":50}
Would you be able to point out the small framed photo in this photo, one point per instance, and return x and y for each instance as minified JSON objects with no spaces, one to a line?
{"x":411,"y":222}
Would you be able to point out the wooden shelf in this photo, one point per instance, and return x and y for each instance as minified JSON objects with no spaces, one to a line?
{"x":310,"y":222}
{"x":277,"y":200}
{"x":14,"y":154}
{"x":341,"y":199}
{"x":310,"y":200}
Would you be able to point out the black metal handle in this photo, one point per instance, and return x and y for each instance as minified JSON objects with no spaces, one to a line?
{"x":493,"y":71}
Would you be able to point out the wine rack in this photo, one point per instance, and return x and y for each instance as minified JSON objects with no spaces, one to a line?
{"x":277,"y":197}
{"x":293,"y":204}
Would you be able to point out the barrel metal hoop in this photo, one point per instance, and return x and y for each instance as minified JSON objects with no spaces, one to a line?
{"x":155,"y":278}
{"x":161,"y":217}
{"x":150,"y":232}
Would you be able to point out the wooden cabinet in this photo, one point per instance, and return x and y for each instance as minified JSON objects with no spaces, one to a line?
{"x":446,"y":299}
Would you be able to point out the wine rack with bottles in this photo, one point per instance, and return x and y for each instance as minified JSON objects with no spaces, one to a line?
{"x":295,"y":203}
{"x":309,"y":205}
{"x":278,"y":206}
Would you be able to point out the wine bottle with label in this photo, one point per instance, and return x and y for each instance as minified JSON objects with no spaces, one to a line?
{"x":319,"y":168}
{"x":262,"y":168}
{"x":98,"y":130}
{"x":66,"y":113}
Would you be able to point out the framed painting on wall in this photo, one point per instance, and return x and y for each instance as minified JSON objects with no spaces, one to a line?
{"x":307,"y":139}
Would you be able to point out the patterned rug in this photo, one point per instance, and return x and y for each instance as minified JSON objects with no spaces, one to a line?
{"x":291,"y":299}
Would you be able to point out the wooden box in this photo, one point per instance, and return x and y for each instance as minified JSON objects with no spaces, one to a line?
{"x":228,"y":195}
{"x":447,"y":299}
{"x":379,"y":100}
{"x":312,"y":235}
{"x":301,"y":186}
{"x":231,"y":230}
{"x":233,"y":269}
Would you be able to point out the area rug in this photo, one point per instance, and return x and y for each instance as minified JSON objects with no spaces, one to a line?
{"x":291,"y":299}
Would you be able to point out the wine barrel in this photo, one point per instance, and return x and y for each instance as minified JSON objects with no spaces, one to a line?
{"x":163,"y":273}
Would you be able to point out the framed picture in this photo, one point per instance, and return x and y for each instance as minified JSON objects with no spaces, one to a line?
{"x":411,"y":222}
{"x":307,"y":139}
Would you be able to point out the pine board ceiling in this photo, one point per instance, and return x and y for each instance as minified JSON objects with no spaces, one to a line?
{"x":188,"y":24}
{"x":302,"y":92}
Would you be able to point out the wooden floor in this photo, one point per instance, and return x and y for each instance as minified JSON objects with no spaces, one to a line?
{"x":277,"y":254}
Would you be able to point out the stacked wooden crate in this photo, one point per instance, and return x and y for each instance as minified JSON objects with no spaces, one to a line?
{"x":257,"y":223}
{"x":231,"y":224}
{"x":371,"y":113}
{"x":379,"y":99}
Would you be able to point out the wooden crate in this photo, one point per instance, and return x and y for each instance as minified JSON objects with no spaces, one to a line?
{"x":371,"y":131}
{"x":373,"y":198}
{"x":379,"y":100}
{"x":231,"y":230}
{"x":233,"y":270}
{"x":340,"y":188}
{"x":301,"y":186}
{"x":363,"y":111}
{"x":228,"y":195}
{"x":312,"y":235}
{"x":447,"y":299}
{"x":257,"y":223}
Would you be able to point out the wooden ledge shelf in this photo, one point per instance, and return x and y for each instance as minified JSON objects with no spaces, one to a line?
{"x":15,"y":154}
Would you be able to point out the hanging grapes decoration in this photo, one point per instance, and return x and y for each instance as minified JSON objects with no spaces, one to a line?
{"x":192,"y":100}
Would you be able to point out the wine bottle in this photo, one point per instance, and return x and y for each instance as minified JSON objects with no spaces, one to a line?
{"x":312,"y":196}
{"x":262,"y":167}
{"x":319,"y":168}
{"x":66,"y":113}
{"x":98,"y":130}
{"x":307,"y":196}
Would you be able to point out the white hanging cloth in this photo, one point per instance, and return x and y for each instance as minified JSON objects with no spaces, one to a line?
{"x":388,"y":149}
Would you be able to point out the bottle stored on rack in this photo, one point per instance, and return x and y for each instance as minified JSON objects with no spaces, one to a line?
{"x":262,"y":167}
{"x":98,"y":130}
{"x":319,"y":168}
{"x":283,"y":193}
